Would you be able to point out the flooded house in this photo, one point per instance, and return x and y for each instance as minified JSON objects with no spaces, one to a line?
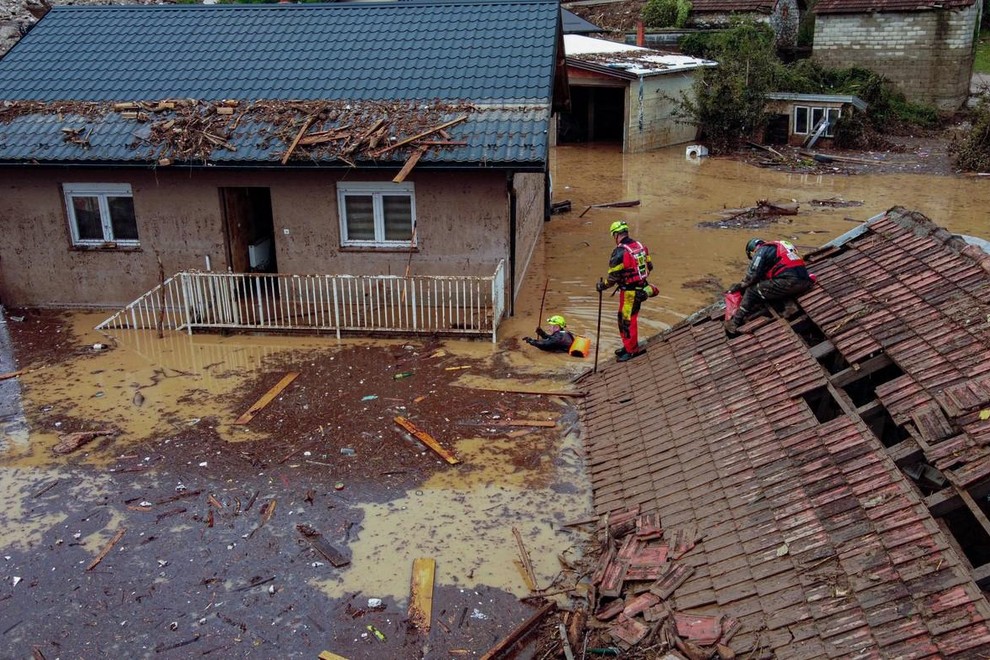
{"x":626,"y":94}
{"x":822,"y":480}
{"x":807,"y":119}
{"x":337,"y":166}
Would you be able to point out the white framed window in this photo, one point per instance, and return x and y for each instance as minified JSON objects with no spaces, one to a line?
{"x":806,"y":119}
{"x":101,"y":214}
{"x":377,"y":214}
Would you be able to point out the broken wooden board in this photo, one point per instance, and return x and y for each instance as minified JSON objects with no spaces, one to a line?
{"x":267,"y":398}
{"x":12,"y":374}
{"x":315,"y":539}
{"x":107,"y":548}
{"x":69,"y":442}
{"x":421,"y":593}
{"x":427,"y":440}
{"x":527,"y":564}
{"x":519,"y":631}
{"x":410,"y":164}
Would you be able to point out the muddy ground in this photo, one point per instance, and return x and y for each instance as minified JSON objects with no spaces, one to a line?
{"x":204,"y":554}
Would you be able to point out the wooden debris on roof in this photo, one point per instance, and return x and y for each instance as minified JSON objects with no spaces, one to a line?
{"x":190,"y":130}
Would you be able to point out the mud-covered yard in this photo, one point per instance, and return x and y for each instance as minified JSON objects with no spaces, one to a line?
{"x":179,"y":542}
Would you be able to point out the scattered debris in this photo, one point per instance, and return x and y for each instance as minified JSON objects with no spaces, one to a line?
{"x":519,"y":632}
{"x":764,"y":213}
{"x":835,"y":203}
{"x":560,"y":207}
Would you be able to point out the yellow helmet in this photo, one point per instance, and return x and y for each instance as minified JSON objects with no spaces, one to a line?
{"x":557,"y":320}
{"x":618,"y":227}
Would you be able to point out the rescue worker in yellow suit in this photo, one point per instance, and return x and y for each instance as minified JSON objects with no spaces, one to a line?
{"x":628,"y":268}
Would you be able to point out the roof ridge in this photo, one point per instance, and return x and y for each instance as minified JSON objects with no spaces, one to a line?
{"x":293,"y":6}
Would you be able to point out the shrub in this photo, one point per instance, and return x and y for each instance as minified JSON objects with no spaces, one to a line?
{"x":666,"y":13}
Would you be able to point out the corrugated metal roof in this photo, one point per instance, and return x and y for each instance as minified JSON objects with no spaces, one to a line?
{"x":496,"y":56}
{"x":813,"y":537}
{"x":855,"y":101}
{"x":877,"y":6}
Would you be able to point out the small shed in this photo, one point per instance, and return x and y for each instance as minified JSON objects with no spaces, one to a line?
{"x":803,"y":118}
{"x":625,"y":94}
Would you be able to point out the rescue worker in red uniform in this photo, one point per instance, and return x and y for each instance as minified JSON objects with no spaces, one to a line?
{"x":558,"y":339}
{"x":776,"y":272}
{"x":628,"y":268}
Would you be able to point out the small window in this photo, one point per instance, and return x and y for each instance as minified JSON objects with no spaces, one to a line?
{"x":800,"y":120}
{"x":377,"y":214}
{"x":101,"y":214}
{"x":817,"y":115}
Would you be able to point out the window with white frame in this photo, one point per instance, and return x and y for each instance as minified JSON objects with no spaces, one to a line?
{"x":806,"y":119}
{"x":101,"y":214}
{"x":381,"y":214}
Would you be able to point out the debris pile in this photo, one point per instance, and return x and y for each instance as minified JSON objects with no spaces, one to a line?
{"x":636,"y":577}
{"x":191,"y":130}
{"x":754,"y":217}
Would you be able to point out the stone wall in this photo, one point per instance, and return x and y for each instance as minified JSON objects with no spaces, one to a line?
{"x":928,"y":55}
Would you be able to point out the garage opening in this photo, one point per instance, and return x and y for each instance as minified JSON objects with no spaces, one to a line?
{"x":597,"y":115}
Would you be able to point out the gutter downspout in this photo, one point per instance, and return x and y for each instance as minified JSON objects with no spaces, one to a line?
{"x":511,"y":189}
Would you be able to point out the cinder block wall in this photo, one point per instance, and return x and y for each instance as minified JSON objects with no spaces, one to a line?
{"x":928,"y":55}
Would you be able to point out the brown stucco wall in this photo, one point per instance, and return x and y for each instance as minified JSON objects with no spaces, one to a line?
{"x":462,"y":228}
{"x":928,"y":55}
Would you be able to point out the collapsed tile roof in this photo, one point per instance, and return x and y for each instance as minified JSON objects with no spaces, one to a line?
{"x":837,"y":463}
{"x":490,"y":64}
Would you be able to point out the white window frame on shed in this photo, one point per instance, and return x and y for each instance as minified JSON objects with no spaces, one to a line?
{"x":101,"y":194}
{"x":813,"y":115}
{"x":372,"y":200}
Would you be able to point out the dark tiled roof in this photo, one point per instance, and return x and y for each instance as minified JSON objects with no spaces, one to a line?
{"x":574,"y":24}
{"x":814,"y":537}
{"x":496,"y":56}
{"x":876,"y":6}
{"x":732,"y":6}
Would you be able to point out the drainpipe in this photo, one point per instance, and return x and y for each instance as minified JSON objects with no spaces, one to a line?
{"x":511,"y":189}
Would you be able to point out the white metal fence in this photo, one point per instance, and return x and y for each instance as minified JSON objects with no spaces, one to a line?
{"x":421,"y":304}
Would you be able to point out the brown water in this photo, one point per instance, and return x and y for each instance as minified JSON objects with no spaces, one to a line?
{"x":675,"y":196}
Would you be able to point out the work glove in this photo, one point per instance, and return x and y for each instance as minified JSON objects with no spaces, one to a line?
{"x":529,"y":340}
{"x":600,"y":286}
{"x":541,"y":334}
{"x":736,"y":288}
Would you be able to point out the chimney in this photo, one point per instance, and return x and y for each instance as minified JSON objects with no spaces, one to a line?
{"x":640,"y":34}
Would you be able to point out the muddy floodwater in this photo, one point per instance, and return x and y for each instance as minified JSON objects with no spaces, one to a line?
{"x":676,"y":195}
{"x":176,"y":534}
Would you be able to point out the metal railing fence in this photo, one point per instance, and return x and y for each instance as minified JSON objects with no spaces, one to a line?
{"x":419,"y":304}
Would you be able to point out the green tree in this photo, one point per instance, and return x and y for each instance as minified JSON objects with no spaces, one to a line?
{"x":666,"y":13}
{"x":729,"y":101}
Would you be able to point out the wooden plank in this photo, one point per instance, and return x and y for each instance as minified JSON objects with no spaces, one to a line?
{"x":410,"y":163}
{"x":328,"y":655}
{"x":427,"y":440}
{"x":543,"y":423}
{"x":406,"y":141}
{"x":534,"y":392}
{"x":315,"y":539}
{"x":421,"y":593}
{"x":299,"y":135}
{"x":12,"y":374}
{"x":526,"y":561}
{"x":857,"y":371}
{"x":106,"y":549}
{"x":267,"y":398}
{"x":519,"y":632}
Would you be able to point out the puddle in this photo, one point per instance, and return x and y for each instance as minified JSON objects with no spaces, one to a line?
{"x":463,"y":518}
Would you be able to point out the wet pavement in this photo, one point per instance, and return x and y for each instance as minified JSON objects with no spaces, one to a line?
{"x":199,"y":516}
